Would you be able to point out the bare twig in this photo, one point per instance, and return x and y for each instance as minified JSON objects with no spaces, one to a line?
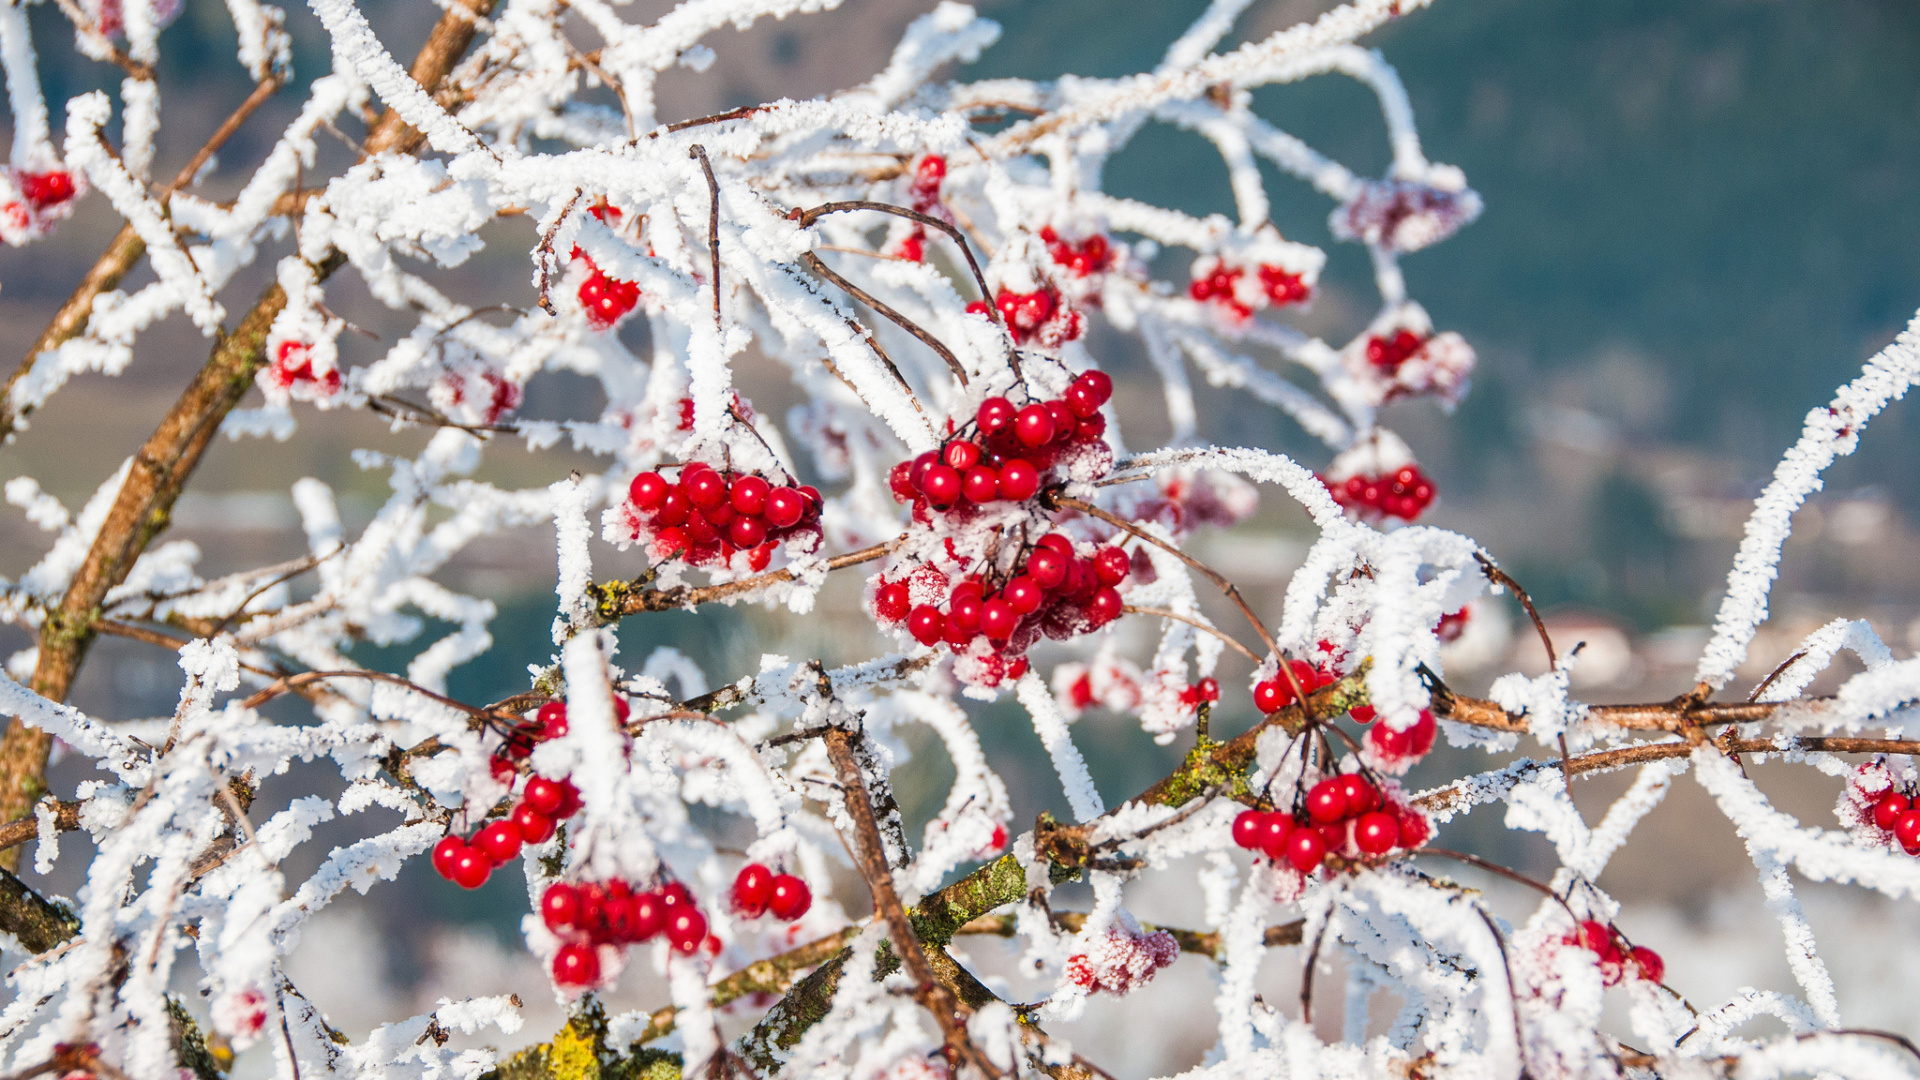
{"x":616,"y":599}
{"x":1775,"y":674}
{"x":808,"y":217}
{"x":1196,"y":624}
{"x":1499,"y":577}
{"x":699,"y":153}
{"x":818,"y":266}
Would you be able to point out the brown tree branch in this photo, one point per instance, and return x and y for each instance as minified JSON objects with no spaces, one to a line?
{"x":818,"y":266}
{"x":617,"y":599}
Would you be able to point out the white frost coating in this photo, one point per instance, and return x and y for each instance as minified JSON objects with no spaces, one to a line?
{"x":1082,"y":796}
{"x":31,"y":140}
{"x":1830,"y":432}
{"x":356,"y":48}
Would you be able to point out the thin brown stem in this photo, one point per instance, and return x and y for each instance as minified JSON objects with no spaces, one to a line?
{"x":1499,"y":577}
{"x":699,"y":153}
{"x":818,"y":266}
{"x":808,"y":217}
{"x":1775,"y":674}
{"x":290,"y":682}
{"x":1196,"y":624}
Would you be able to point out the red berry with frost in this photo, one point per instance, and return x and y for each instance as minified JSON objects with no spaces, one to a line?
{"x":469,"y":867}
{"x":994,"y":415}
{"x":752,"y":888}
{"x":1275,"y":834}
{"x":544,"y":795}
{"x":648,"y":491}
{"x":1019,"y":480}
{"x":498,"y":841}
{"x":892,"y":601}
{"x":1906,"y":829}
{"x":1105,"y":607}
{"x":926,"y":624}
{"x":790,"y":898}
{"x":1889,"y":808}
{"x":1648,"y":964}
{"x":1327,"y":801}
{"x":1305,"y":849}
{"x":748,"y":495}
{"x":576,"y":964}
{"x":980,"y":485}
{"x":1376,"y":833}
{"x":1111,"y":565}
{"x":1248,"y":827}
{"x":1208,"y":689}
{"x":1047,"y":568}
{"x":941,"y":485}
{"x":534,"y":826}
{"x":1033,"y":425}
{"x":560,"y":907}
{"x":444,"y":853}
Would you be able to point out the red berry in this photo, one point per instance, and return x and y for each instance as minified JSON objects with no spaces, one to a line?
{"x":576,"y":964}
{"x":1596,"y":937}
{"x":1090,"y":429}
{"x":649,"y":915}
{"x":469,"y":867}
{"x":686,"y":929}
{"x":46,"y":189}
{"x":926,"y":624}
{"x":1024,"y":595}
{"x":570,"y":802}
{"x":1362,"y":714}
{"x":963,"y":611}
{"x":1422,"y":733}
{"x":1111,"y":565}
{"x":1889,"y":808}
{"x":1208,"y":689}
{"x":535,"y":827}
{"x":444,"y":853}
{"x":675,"y":509}
{"x":1055,"y":542}
{"x":1047,"y":568}
{"x":552,"y":719}
{"x":980,"y":485}
{"x":675,"y":894}
{"x":785,"y":507}
{"x":1906,"y":829}
{"x":1327,"y":801}
{"x":1272,"y":695}
{"x":1648,"y":964}
{"x":752,"y":888}
{"x":747,"y":532}
{"x":962,"y":455}
{"x":617,"y":913}
{"x":994,"y":414}
{"x":1034,"y":425}
{"x":1305,"y":849}
{"x":941,"y":485}
{"x":790,"y":898}
{"x":1248,"y":827}
{"x":892,"y":601}
{"x":1105,"y":607}
{"x":706,"y":489}
{"x":1274,"y":835}
{"x":1019,"y":480}
{"x":749,"y":495}
{"x":1376,"y":833}
{"x":648,"y":491}
{"x":1361,"y":797}
{"x":560,"y":907}
{"x":498,"y":841}
{"x":998,"y":619}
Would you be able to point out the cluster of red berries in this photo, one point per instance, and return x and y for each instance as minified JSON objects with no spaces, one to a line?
{"x":612,"y":913}
{"x":1013,"y":447}
{"x":1207,"y":689}
{"x":1897,"y":814}
{"x":925,"y":196}
{"x":708,"y":515}
{"x":1615,"y":953}
{"x":293,"y":364}
{"x":1343,"y":815}
{"x":606,"y":299}
{"x":1407,"y":744}
{"x":1405,"y":494}
{"x":759,"y":891}
{"x":42,"y":190}
{"x":543,"y":804}
{"x":1084,"y":259}
{"x":1054,"y":592}
{"x":1272,"y":695}
{"x":1221,"y":285}
{"x":1037,"y":315}
{"x":1388,"y":353}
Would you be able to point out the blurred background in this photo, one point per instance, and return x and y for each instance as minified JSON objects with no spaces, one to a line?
{"x":1700,"y":219}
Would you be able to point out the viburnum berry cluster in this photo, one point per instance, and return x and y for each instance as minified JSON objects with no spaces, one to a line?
{"x":707,"y":517}
{"x":805,"y":912}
